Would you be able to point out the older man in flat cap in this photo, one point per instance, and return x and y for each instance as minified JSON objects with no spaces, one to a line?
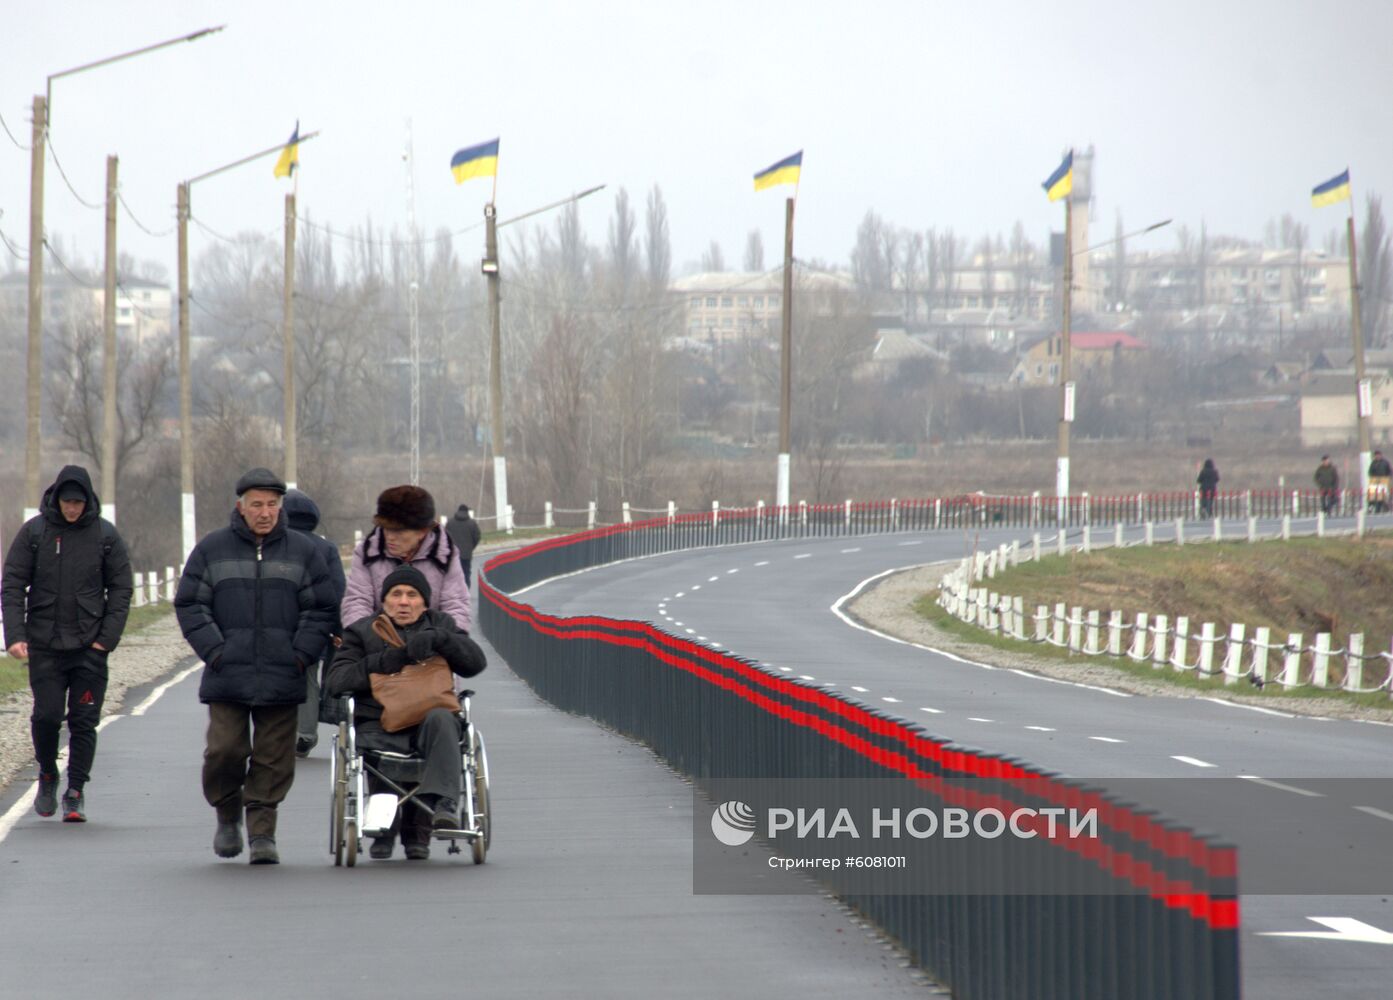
{"x":257,"y":604}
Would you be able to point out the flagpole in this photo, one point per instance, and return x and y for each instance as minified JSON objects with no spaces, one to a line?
{"x":1066,"y":415}
{"x":1363,"y":395}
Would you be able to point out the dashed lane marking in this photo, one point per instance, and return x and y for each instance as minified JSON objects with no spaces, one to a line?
{"x":1284,"y":788}
{"x":893,"y":701}
{"x":976,"y":718}
{"x":1376,"y":812}
{"x":762,"y":562}
{"x":1042,"y":729}
{"x":1106,"y":739}
{"x":845,"y":551}
{"x":1192,"y":761}
{"x":916,"y":542}
{"x":713,"y":579}
{"x":855,"y":687}
{"x":805,"y":555}
{"x":931,"y":711}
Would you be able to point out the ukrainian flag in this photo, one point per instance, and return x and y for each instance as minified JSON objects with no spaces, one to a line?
{"x":1061,"y":182}
{"x":786,"y":171}
{"x":290,"y":155}
{"x":1333,"y":190}
{"x":475,"y":161}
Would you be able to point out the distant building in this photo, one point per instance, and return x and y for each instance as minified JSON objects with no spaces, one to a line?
{"x":725,"y":305}
{"x":1090,"y":352}
{"x":143,"y":308}
{"x":1327,"y":409}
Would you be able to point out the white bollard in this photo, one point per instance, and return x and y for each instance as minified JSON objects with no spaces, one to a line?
{"x":152,"y":580}
{"x":1063,"y":542}
{"x":894,"y":514}
{"x":1320,"y":665}
{"x":1162,"y":643}
{"x":1059,"y":624}
{"x":1035,"y":546}
{"x":1252,"y":529}
{"x":1295,"y":503}
{"x":1233,"y":656}
{"x":1015,"y":552}
{"x":1150,"y":534}
{"x":1291,"y":666}
{"x":1087,"y":544}
{"x":590,"y":515}
{"x":1117,"y":535}
{"x":1320,"y":524}
{"x":1018,"y":615}
{"x":1354,"y":661}
{"x":625,"y":513}
{"x":549,"y":520}
{"x":1262,"y":637}
{"x":357,"y":536}
{"x":938,"y":513}
{"x":1206,"y":668}
{"x":1286,"y":527}
{"x":1182,"y":641}
{"x":1042,"y":617}
{"x":1075,"y":629}
{"x":847,"y":521}
{"x":1091,"y":646}
{"x":1359,"y":523}
{"x":139,"y":596}
{"x":671,"y":511}
{"x":1115,"y":633}
{"x":508,"y":516}
{"x":1180,"y":531}
{"x":1136,"y":650}
{"x":1218,"y":531}
{"x":170,"y":581}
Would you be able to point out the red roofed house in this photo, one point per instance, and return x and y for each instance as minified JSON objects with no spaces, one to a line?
{"x":1038,"y":363}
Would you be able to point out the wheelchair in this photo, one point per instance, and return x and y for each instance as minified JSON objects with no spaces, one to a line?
{"x":355,"y":814}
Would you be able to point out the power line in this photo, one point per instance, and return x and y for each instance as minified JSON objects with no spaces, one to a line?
{"x":6,"y":127}
{"x":354,"y":238}
{"x":14,"y":252}
{"x":144,"y":228}
{"x":53,"y":153}
{"x":271,"y":234}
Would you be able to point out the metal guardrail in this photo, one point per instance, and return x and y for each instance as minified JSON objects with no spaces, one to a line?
{"x":1155,"y":913}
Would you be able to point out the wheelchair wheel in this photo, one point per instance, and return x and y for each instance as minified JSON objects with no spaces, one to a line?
{"x":350,"y":853}
{"x":339,"y":779}
{"x":480,"y":844}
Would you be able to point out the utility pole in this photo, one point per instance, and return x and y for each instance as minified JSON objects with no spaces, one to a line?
{"x":109,"y":350}
{"x":189,"y":535}
{"x":33,"y":398}
{"x":786,"y":365}
{"x":414,"y":316}
{"x":1066,"y":385}
{"x":1363,"y":397}
{"x":288,"y":431}
{"x":497,"y":438}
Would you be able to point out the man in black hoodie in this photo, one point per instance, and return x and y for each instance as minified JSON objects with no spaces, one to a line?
{"x":464,"y":531}
{"x":302,"y":513}
{"x":66,"y":594}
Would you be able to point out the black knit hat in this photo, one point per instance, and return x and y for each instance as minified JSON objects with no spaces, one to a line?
{"x":409,"y":575}
{"x":260,"y":479}
{"x":405,"y":507}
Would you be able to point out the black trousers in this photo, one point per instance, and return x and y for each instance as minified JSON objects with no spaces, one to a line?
{"x":71,"y":684}
{"x":436,"y":741}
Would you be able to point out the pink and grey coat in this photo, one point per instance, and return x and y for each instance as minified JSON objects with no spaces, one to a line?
{"x":437,"y":557}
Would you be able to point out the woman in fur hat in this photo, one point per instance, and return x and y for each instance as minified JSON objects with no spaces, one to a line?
{"x":406,"y":533}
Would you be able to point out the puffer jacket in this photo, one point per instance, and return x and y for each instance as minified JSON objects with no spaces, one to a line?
{"x":256,"y":611}
{"x":363,"y":652}
{"x":437,"y":557}
{"x":66,"y":586}
{"x":302,"y":514}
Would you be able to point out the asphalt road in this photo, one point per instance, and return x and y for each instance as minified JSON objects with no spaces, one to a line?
{"x":1318,"y":840}
{"x":587,"y":891}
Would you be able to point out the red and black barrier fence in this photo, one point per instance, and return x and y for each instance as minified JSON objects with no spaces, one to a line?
{"x":1146,"y":908}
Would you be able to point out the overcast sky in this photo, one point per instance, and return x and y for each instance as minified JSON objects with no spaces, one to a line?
{"x":943,"y":114}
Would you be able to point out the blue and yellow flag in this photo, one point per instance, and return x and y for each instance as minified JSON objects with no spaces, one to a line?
{"x":475,"y":161}
{"x":1061,"y":182}
{"x":786,"y":171}
{"x":1333,"y":190}
{"x":290,"y":155}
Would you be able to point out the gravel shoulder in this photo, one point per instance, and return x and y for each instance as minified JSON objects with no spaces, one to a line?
{"x":888,"y":607}
{"x":143,"y":658}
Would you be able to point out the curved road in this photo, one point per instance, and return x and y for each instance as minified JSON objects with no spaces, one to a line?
{"x":1279,"y":798}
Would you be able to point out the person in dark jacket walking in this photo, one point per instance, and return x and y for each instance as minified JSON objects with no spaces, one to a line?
{"x":405,"y":596}
{"x":1208,"y":481}
{"x":1327,"y":479}
{"x":256,"y":603}
{"x":302,"y":514}
{"x":464,"y":531}
{"x":66,"y":594}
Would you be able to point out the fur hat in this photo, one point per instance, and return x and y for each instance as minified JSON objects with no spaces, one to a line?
{"x":411,"y":577}
{"x":405,"y":507}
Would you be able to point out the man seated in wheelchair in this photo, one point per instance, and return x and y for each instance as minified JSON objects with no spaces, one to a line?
{"x":369,"y":647}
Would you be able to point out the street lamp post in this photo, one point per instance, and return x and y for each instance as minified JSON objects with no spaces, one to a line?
{"x":42,"y":109}
{"x":188,"y":532}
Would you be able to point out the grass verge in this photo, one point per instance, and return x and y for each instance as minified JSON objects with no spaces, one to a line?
{"x":14,"y":674}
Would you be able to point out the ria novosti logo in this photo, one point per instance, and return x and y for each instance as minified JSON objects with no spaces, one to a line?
{"x":733,"y":823}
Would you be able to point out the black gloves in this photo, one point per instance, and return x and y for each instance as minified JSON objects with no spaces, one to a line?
{"x":420,"y":644}
{"x":391,"y":661}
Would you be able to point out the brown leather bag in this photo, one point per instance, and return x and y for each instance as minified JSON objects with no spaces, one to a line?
{"x":407,"y":696}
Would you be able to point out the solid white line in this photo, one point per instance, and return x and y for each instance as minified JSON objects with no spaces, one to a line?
{"x":855,"y":687}
{"x":973,"y":718}
{"x":894,"y":701}
{"x":1284,"y":788}
{"x":1375,"y":812}
{"x":805,"y":555}
{"x":1192,"y":761}
{"x":1041,"y":729}
{"x":1077,"y":684}
{"x":931,"y":711}
{"x":1252,"y":708}
{"x":1106,"y":739}
{"x":845,"y":551}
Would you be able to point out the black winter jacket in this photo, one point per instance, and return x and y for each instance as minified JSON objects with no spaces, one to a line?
{"x":67,"y":586}
{"x":464,"y":531}
{"x":364,"y":653}
{"x":256,"y":611}
{"x":302,"y":514}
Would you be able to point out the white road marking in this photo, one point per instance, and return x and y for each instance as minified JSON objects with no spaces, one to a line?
{"x":677,"y":623}
{"x":1375,"y":812}
{"x":805,"y":555}
{"x":1106,"y":739}
{"x":713,"y":579}
{"x":931,"y":711}
{"x":1341,"y":929}
{"x":680,"y":593}
{"x":894,"y":701}
{"x":1252,"y":708}
{"x":730,"y":571}
{"x":154,"y":695}
{"x":696,"y":586}
{"x":845,"y":551}
{"x":762,"y":562}
{"x":807,"y":677}
{"x":916,"y":542}
{"x":1041,"y":729}
{"x":1281,"y":787}
{"x":861,"y":689}
{"x":1192,"y":761}
{"x":691,"y":631}
{"x":786,"y":669}
{"x":1077,"y":684}
{"x":974,"y":718}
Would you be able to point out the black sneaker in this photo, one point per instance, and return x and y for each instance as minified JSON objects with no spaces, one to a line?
{"x":304,"y":744}
{"x":446,"y":815}
{"x":381,"y":847}
{"x":227,"y":842}
{"x":72,"y":807}
{"x":46,"y":800}
{"x":417,"y":852}
{"x":264,"y":851}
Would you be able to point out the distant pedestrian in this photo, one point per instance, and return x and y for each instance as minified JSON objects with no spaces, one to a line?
{"x":302,"y":514}
{"x":256,"y":603}
{"x":1379,"y":472}
{"x":66,"y":594}
{"x":1327,"y":479}
{"x":464,"y":530}
{"x":1379,"y":466}
{"x":1208,"y":481}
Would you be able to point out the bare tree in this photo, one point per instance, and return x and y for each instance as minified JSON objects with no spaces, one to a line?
{"x":657,"y":245}
{"x":754,"y":251}
{"x":1375,"y":272}
{"x":713,"y":260}
{"x":1022,"y":268}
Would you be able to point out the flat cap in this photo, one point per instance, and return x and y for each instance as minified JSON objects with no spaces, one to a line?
{"x":260,"y":479}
